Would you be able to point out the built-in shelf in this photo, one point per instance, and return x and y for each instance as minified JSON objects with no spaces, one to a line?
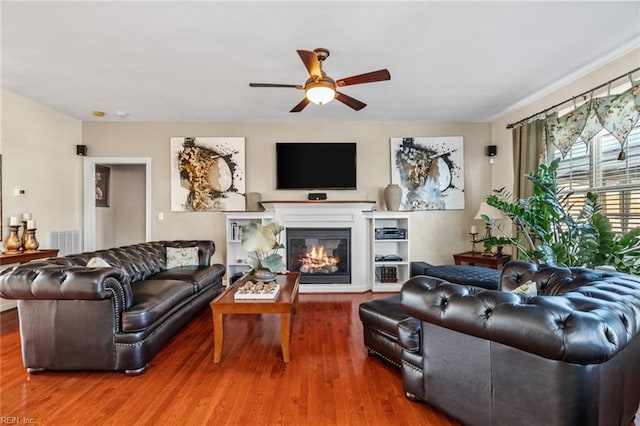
{"x":389,"y":275}
{"x":237,"y":256}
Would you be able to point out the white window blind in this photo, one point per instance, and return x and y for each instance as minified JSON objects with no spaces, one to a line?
{"x":597,"y":169}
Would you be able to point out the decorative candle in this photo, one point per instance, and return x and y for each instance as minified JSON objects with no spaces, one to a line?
{"x":474,"y":230}
{"x":13,"y":221}
{"x":26,"y":217}
{"x":31,"y":224}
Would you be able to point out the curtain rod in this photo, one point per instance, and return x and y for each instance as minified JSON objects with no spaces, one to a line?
{"x":524,"y":120}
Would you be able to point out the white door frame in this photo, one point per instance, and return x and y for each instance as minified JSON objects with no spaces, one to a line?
{"x":89,"y":195}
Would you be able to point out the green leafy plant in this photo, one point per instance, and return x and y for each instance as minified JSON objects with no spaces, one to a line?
{"x":619,"y":251}
{"x":547,"y":233}
{"x":263,"y":241}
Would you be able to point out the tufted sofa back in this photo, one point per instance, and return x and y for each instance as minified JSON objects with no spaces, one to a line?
{"x":550,"y":280}
{"x":580,"y":316}
{"x":137,"y":262}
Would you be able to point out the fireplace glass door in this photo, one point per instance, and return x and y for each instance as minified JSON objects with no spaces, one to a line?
{"x":321,"y":255}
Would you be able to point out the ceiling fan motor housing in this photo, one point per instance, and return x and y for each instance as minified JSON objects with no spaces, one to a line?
{"x":321,"y":53}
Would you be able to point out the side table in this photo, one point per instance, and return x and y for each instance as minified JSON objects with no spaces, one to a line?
{"x":26,"y":256}
{"x":471,"y":258}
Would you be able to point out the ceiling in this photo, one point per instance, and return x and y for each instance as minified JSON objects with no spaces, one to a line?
{"x":193,"y":61}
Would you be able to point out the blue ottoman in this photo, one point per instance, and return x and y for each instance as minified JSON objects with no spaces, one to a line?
{"x":459,"y":274}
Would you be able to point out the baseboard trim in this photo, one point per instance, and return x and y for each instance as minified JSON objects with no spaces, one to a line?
{"x":6,"y":304}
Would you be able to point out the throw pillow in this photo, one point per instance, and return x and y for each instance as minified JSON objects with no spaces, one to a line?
{"x":187,"y":256}
{"x":527,"y":289}
{"x":98,"y":262}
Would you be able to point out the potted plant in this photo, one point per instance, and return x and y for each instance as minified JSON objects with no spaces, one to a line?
{"x":546,"y":232}
{"x":263,"y":242}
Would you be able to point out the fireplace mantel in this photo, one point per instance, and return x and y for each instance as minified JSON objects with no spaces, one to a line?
{"x":331,"y":214}
{"x":357,"y":215}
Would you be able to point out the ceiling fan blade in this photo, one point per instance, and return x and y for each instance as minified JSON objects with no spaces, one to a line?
{"x":303,"y":103}
{"x":294,"y":86}
{"x":350,"y":102}
{"x":310,"y":60}
{"x":369,"y":77}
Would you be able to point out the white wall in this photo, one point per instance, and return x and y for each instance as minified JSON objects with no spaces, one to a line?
{"x":129,"y":198}
{"x":435,"y":234}
{"x":123,"y":222}
{"x":39,"y":155}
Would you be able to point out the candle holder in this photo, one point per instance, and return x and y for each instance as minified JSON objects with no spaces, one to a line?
{"x":31,"y":243}
{"x":13,"y":242}
{"x":24,"y":232}
{"x":473,"y":241}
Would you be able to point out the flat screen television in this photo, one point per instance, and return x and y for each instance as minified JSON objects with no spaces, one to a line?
{"x":315,"y":165}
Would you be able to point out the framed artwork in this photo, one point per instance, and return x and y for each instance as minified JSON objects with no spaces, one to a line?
{"x":430,"y":171}
{"x":103,"y":174}
{"x":207,"y":174}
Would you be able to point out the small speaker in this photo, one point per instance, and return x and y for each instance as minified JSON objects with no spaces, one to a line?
{"x":317,"y":196}
{"x":492,"y":150}
{"x":81,"y":150}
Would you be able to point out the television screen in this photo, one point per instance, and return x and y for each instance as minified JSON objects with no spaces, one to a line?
{"x":319,"y":165}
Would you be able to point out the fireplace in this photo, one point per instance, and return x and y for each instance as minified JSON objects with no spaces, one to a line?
{"x":321,"y":255}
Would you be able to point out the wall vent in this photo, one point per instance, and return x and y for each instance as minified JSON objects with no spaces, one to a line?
{"x":68,"y":242}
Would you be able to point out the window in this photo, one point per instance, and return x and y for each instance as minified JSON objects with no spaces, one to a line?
{"x":597,"y":169}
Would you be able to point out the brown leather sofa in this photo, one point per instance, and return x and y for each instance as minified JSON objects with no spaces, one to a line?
{"x":74,"y":317}
{"x":569,"y":356}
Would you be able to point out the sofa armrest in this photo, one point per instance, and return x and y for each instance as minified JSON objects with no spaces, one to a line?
{"x":52,"y":281}
{"x":409,"y":335}
{"x":573,"y":328}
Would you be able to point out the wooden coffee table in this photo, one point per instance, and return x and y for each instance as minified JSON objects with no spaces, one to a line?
{"x":284,"y":304}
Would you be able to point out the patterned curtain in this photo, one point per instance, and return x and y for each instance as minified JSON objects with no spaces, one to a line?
{"x":618,"y":114}
{"x":564,"y":131}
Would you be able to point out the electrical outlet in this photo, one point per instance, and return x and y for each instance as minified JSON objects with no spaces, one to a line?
{"x":161,"y":216}
{"x":19,"y":192}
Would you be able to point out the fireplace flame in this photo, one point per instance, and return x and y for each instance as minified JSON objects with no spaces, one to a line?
{"x":318,"y":261}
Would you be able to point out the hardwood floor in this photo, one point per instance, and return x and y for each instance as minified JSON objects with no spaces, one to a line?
{"x":329,"y":381}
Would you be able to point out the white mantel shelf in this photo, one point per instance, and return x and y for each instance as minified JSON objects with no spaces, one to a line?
{"x":365,"y":204}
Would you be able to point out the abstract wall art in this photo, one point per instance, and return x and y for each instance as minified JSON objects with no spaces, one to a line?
{"x":430,"y":171}
{"x":207,"y":174}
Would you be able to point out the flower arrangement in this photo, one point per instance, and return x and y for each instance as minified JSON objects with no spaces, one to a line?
{"x":263,"y":242}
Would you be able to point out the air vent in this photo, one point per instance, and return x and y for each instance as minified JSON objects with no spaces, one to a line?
{"x":68,"y":242}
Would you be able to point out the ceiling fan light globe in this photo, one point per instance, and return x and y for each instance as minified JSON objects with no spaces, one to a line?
{"x":320,"y":94}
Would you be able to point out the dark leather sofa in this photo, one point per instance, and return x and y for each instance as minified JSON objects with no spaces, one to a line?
{"x":569,"y":356}
{"x":381,"y":317}
{"x":74,"y":317}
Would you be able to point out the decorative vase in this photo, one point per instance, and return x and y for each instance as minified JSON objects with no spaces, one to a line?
{"x":392,"y":197}
{"x":264,"y":274}
{"x":253,"y":201}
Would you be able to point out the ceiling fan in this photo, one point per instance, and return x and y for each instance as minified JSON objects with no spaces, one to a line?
{"x":320,"y":88}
